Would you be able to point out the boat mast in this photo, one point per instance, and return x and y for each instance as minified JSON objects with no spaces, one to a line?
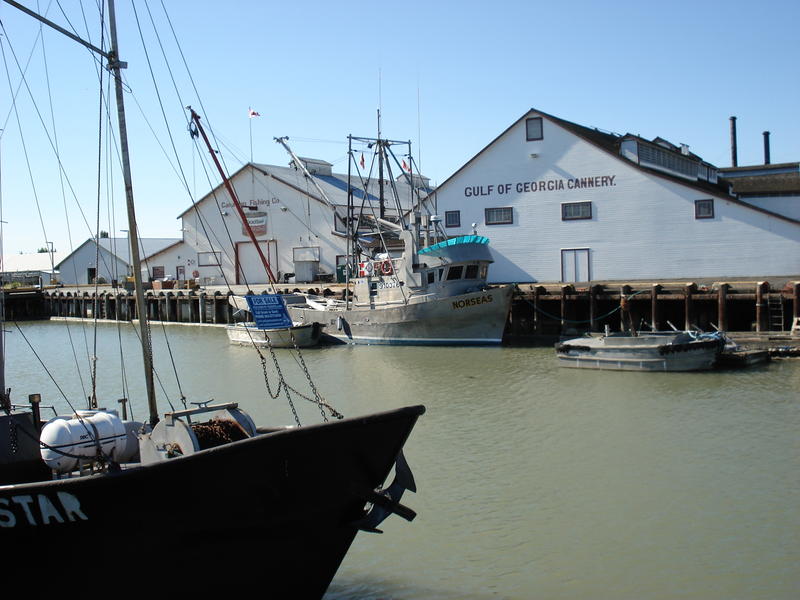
{"x":234,"y":198}
{"x":115,"y":66}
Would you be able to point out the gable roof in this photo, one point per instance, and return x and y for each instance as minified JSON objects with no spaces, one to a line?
{"x":118,"y":247}
{"x":334,"y":185}
{"x":610,"y":143}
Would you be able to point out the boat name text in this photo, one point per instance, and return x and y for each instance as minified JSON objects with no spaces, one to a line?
{"x":543,"y":185}
{"x":40,"y":509}
{"x":472,"y":301}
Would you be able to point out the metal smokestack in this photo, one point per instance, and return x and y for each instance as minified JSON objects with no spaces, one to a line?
{"x":734,"y":162}
{"x":766,"y":147}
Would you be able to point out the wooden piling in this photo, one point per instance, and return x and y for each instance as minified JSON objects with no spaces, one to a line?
{"x":722,"y":306}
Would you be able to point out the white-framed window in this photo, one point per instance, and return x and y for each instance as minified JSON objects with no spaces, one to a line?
{"x":533,"y":129}
{"x":452,"y":218}
{"x":499,"y":216}
{"x":704,"y":209}
{"x":209,"y":259}
{"x":572,"y":211}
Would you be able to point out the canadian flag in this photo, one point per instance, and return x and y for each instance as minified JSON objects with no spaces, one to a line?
{"x":251,"y":113}
{"x":361,"y":162}
{"x":405,"y":166}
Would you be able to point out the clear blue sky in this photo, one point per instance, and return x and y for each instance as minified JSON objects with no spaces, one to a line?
{"x":450,"y":76}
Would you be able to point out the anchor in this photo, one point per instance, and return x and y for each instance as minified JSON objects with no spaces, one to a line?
{"x":387,"y":501}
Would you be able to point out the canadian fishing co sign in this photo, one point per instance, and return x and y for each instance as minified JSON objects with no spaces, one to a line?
{"x":541,"y":185}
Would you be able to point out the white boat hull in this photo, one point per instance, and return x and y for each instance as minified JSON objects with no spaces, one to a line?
{"x":302,"y":336}
{"x":477,"y":318}
{"x":645,"y":352}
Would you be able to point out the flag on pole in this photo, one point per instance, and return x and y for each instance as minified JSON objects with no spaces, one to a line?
{"x":251,"y":113}
{"x":405,"y":166}
{"x":361,"y":162}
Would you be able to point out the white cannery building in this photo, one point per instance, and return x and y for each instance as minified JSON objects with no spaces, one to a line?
{"x":561,"y":202}
{"x":296,"y":214}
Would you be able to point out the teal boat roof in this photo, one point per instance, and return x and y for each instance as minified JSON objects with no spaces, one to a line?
{"x":462,"y":239}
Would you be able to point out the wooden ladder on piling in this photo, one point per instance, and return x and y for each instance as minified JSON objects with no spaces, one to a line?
{"x":775,"y":307}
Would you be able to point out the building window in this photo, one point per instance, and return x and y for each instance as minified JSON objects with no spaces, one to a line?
{"x":704,"y":209}
{"x":499,"y":216}
{"x":659,"y":158}
{"x":452,"y":218}
{"x":158,"y":272}
{"x":533,"y":129}
{"x":572,"y":211}
{"x":208,"y":259}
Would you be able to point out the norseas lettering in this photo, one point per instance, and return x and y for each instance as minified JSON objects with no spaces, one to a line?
{"x":19,"y":509}
{"x":472,"y":301}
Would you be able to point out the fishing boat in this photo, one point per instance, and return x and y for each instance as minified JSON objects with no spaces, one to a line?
{"x":651,"y":351}
{"x":196,"y":499}
{"x":423,"y":293}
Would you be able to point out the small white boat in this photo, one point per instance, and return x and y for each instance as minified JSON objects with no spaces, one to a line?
{"x":300,"y":336}
{"x":653,"y":351}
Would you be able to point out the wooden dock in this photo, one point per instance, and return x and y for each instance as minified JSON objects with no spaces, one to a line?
{"x":540,"y":312}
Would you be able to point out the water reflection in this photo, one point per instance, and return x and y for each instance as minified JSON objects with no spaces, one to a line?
{"x":534,"y":481}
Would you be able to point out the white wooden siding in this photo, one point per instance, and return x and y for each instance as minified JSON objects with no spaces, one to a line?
{"x":642,"y":226}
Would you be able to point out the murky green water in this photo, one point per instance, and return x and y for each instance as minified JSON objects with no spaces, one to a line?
{"x":535,"y":482}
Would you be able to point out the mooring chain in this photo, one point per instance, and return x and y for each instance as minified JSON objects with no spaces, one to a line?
{"x":313,"y":387}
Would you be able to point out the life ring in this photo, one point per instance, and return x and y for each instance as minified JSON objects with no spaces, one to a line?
{"x":386,"y":267}
{"x":195,"y":273}
{"x":365,"y":269}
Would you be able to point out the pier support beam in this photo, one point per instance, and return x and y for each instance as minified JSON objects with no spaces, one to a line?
{"x":654,"y":322}
{"x":722,"y":306}
{"x":760,"y":312}
{"x":592,"y":308}
{"x":795,"y":300}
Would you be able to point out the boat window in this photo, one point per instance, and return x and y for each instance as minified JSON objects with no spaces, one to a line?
{"x":454,"y":273}
{"x":441,"y":274}
{"x":471,"y":272}
{"x":431,"y":276}
{"x":484,"y":271}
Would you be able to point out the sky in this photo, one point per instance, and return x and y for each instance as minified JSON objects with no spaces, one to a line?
{"x":448,"y":76}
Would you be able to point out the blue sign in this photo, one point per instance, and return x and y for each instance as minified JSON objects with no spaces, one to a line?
{"x":269,"y":311}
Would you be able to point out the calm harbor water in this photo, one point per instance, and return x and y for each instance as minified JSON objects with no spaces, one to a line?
{"x":535,"y":482}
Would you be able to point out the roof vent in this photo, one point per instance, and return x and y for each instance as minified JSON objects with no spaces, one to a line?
{"x":316,"y":166}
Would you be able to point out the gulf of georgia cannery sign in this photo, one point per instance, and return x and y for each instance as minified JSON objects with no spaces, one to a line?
{"x":542,"y":185}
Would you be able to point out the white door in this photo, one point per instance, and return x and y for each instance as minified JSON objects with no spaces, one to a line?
{"x":575,"y":265}
{"x":251,"y":270}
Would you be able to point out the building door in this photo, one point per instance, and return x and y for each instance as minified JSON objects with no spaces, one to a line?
{"x":180,"y":272}
{"x":248,"y":263}
{"x":91,"y":273}
{"x":575,"y":265}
